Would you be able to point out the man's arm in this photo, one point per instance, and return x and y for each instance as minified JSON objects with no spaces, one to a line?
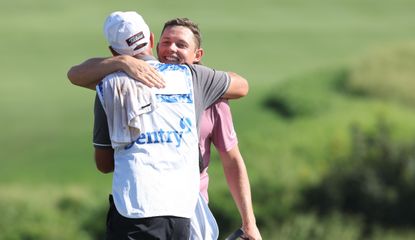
{"x":238,"y":182}
{"x":238,"y":87}
{"x":90,"y":72}
{"x":104,"y":153}
{"x":104,"y":159}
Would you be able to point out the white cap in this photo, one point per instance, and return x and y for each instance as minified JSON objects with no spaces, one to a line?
{"x":127,"y":32}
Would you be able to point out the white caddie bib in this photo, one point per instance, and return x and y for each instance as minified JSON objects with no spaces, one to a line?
{"x":158,"y":173}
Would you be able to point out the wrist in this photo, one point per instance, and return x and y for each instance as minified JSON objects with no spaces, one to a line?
{"x":248,"y":221}
{"x":120,"y":62}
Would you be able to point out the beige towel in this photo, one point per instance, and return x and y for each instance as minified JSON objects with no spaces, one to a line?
{"x":124,"y":100}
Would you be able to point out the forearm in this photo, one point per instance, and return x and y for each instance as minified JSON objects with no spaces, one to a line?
{"x":90,"y":72}
{"x":104,"y":159}
{"x":239,"y":186}
{"x":238,"y":182}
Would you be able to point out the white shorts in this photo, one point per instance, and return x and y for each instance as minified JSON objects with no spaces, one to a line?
{"x":203,"y":225}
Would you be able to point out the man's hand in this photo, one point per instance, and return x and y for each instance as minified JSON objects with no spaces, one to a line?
{"x":141,"y":71}
{"x":251,"y":232}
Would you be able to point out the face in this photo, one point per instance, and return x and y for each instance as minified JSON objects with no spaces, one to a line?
{"x":177,"y":46}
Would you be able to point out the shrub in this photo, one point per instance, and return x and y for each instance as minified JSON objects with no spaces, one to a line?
{"x":21,"y":220}
{"x":386,"y":73}
{"x":376,"y":181}
{"x":272,"y":205}
{"x":90,"y":217}
{"x":304,"y":96}
{"x":50,"y":213}
{"x":311,"y":227}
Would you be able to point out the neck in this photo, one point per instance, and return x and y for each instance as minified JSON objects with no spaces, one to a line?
{"x":147,"y":52}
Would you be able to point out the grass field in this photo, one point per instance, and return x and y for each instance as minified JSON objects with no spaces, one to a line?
{"x":46,"y":122}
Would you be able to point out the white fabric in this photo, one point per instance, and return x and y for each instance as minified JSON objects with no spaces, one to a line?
{"x":124,"y":100}
{"x":158,"y":174}
{"x":203,"y":224}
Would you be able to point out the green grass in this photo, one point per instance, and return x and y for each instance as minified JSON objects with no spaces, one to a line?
{"x":46,"y":122}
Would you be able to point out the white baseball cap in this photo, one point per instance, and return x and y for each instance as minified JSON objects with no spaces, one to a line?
{"x":127,"y":32}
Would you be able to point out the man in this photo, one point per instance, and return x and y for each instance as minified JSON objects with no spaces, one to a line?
{"x":153,"y":182}
{"x":181,"y":43}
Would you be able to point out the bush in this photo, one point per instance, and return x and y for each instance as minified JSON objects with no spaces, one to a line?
{"x":387,"y":73}
{"x":273,"y":204}
{"x":90,"y":217}
{"x":376,"y":181}
{"x":21,"y":220}
{"x":47,"y":213}
{"x":304,"y":96}
{"x":311,"y":227}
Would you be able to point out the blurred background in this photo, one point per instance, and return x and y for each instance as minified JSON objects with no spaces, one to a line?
{"x":327,"y":131}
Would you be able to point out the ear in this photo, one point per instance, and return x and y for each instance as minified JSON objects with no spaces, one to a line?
{"x":198,"y":55}
{"x":151,"y":40}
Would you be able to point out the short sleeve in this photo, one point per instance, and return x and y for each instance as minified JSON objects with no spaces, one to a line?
{"x":223,"y":133}
{"x":101,"y":137}
{"x":209,"y":84}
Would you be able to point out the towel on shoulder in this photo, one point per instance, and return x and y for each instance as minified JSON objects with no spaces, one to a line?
{"x":124,"y":100}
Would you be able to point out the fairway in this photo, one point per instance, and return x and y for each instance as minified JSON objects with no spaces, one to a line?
{"x":47,"y":123}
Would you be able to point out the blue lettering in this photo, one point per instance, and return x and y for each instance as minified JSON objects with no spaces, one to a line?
{"x":141,"y":139}
{"x":164,"y":137}
{"x":169,"y":133}
{"x":178,"y":136}
{"x":161,"y":135}
{"x":149,"y":140}
{"x":156,"y":139}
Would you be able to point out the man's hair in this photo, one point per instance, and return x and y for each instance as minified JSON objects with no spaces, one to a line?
{"x":185,"y":22}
